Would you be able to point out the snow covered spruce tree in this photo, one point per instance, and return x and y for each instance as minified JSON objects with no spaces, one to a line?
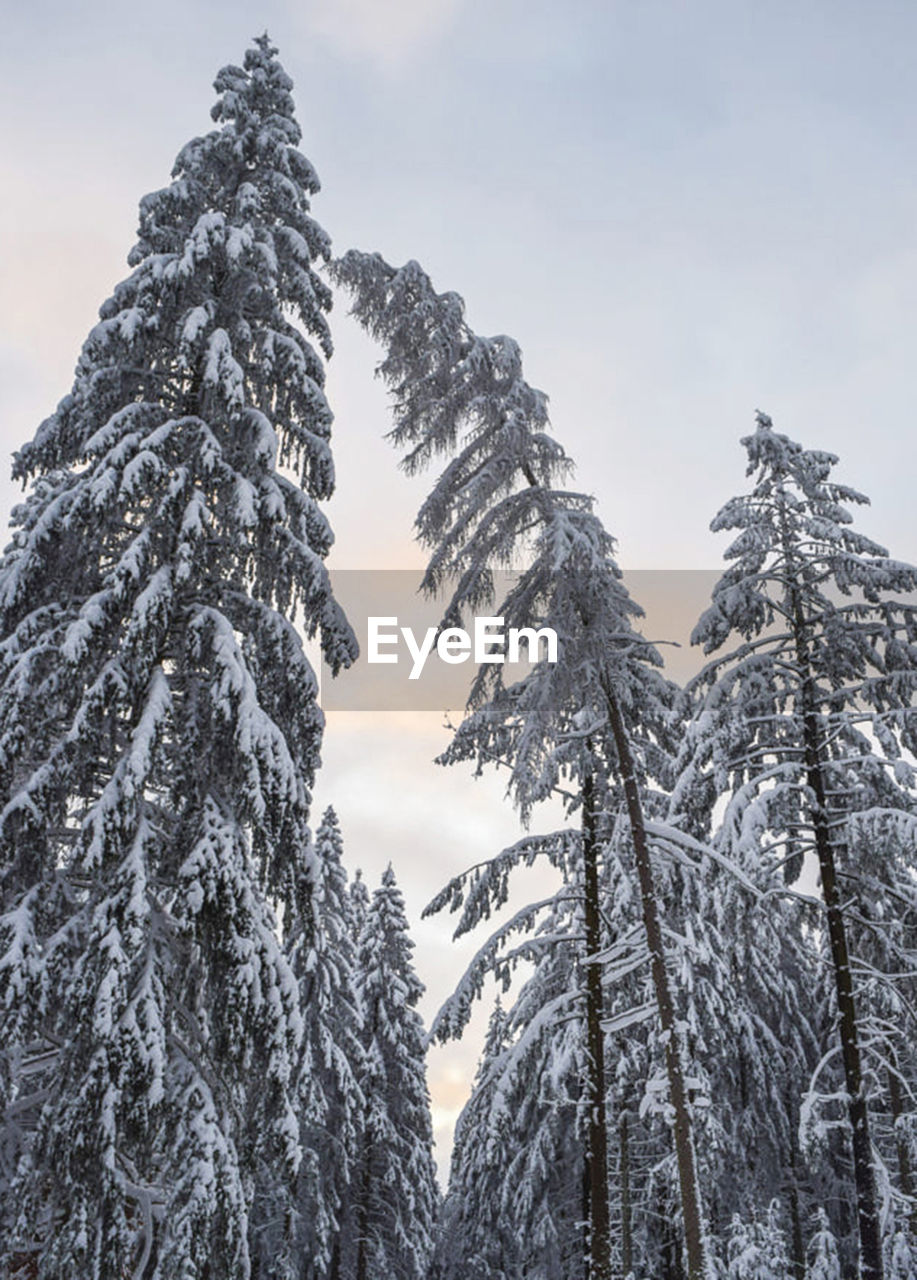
{"x":358,"y":905}
{"x":823,"y":1260}
{"x":475,"y":1237}
{"x":597,"y":718}
{"x":394,"y":1196}
{"x":755,"y":1250}
{"x":806,"y":727}
{"x":517,"y":1196}
{"x":321,"y":949}
{"x":158,"y":724}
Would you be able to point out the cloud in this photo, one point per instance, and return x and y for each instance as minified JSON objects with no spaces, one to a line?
{"x":389,"y":35}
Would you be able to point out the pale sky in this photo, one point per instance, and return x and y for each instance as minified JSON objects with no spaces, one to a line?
{"x":682,"y":211}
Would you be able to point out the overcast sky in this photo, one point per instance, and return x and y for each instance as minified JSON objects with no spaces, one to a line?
{"x":682,"y":211}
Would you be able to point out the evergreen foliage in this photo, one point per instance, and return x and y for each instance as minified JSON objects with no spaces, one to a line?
{"x":807,"y":729}
{"x":395,"y":1195}
{"x":824,"y":1262}
{"x":159,"y":730}
{"x":755,"y":1250}
{"x":600,"y":713}
{"x":322,"y":952}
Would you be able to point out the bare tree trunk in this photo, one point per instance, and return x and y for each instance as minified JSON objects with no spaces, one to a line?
{"x":627,"y":1229}
{"x":585,"y":1199}
{"x":366,"y":1186}
{"x":599,"y":1227}
{"x":334,"y":1272}
{"x":363,"y":1219}
{"x":864,"y":1176}
{"x":797,"y":1243}
{"x":692,"y":1221}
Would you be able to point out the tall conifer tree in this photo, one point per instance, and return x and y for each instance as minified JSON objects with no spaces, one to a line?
{"x":806,"y":728}
{"x":159,"y":729}
{"x":598,"y":717}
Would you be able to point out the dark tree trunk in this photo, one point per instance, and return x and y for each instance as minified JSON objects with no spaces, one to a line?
{"x":864,"y":1176}
{"x":797,"y":1243}
{"x":627,"y":1236}
{"x":585,"y":1212}
{"x":335,"y":1269}
{"x":871,"y":1264}
{"x":692,"y":1221}
{"x":362,"y":1272}
{"x":597,"y":1133}
{"x":905,"y":1173}
{"x":366,"y":1187}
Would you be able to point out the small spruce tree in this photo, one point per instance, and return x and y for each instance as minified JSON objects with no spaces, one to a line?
{"x":756,"y":1250}
{"x":823,"y":1262}
{"x":395,"y":1195}
{"x":319,"y":944}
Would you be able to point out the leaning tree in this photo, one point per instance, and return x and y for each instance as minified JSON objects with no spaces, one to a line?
{"x":595,"y":722}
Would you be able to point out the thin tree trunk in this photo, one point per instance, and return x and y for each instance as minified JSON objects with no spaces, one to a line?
{"x":871,"y":1265}
{"x":864,"y":1176}
{"x":797,"y":1237}
{"x":905,"y":1173}
{"x":335,"y":1269}
{"x":597,"y":1139}
{"x":366,"y":1148}
{"x":363,"y":1218}
{"x":797,"y":1243}
{"x":627,"y":1237}
{"x":585,"y":1199}
{"x":692,"y":1221}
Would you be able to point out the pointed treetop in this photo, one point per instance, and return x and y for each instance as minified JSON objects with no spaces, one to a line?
{"x":330,"y":822}
{"x":258,"y":91}
{"x":793,"y":524}
{"x":771,"y":451}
